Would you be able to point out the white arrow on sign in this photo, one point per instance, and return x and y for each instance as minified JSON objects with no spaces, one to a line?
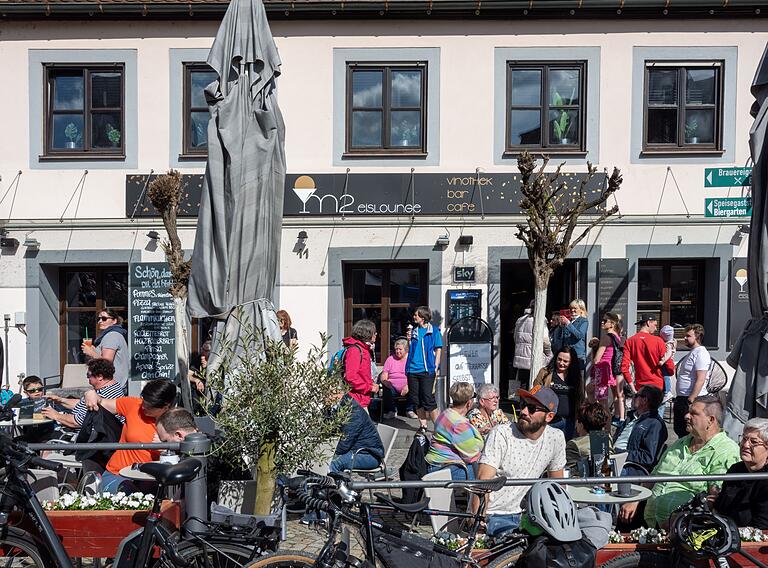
{"x":709,"y":177}
{"x":709,"y":207}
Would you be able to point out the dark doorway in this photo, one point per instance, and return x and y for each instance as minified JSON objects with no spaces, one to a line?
{"x":517,"y":290}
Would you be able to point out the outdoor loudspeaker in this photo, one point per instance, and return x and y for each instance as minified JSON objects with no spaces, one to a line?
{"x":9,"y":242}
{"x":466,"y":240}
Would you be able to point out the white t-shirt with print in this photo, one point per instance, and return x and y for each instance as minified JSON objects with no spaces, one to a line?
{"x":515,"y":456}
{"x":697,"y":360}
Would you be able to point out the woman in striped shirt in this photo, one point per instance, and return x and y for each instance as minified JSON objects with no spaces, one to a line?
{"x":456,"y":444}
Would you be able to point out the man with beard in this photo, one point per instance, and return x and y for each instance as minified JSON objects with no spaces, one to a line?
{"x":525,"y":449}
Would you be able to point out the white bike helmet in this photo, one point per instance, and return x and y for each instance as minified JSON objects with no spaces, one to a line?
{"x":548,"y":506}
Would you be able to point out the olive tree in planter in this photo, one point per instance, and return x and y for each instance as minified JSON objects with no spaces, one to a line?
{"x":558,"y":217}
{"x":165,"y":194}
{"x":275,"y":407}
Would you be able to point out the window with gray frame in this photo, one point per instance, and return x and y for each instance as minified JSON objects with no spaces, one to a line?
{"x":683,"y":106}
{"x":197,"y":76}
{"x":545,"y":106}
{"x":84,"y":110}
{"x":386,"y":108}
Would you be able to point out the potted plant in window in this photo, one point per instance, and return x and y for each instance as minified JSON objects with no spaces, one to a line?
{"x":562,"y":124}
{"x":692,"y":131}
{"x":113,"y":134}
{"x":73,"y":133}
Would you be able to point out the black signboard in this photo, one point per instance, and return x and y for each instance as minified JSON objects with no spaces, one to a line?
{"x":151,"y":322}
{"x":613,"y":281}
{"x":463,"y":304}
{"x":463,"y":273}
{"x":356,"y":195}
{"x":738,"y":299}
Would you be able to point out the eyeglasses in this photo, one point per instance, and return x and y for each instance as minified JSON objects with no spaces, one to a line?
{"x":533,"y":409}
{"x":32,"y":391}
{"x":750,"y":441}
{"x":492,"y":397}
{"x":104,"y":318}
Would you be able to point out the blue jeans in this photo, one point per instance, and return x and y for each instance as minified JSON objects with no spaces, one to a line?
{"x":112,"y":483}
{"x":458,"y":473}
{"x":500,"y":524}
{"x":363,"y":460}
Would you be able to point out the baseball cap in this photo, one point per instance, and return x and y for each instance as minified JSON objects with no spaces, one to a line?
{"x":543,"y":396}
{"x":642,"y":319}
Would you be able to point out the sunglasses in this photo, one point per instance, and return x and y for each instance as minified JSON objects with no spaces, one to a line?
{"x":40,"y":389}
{"x":104,"y":318}
{"x":533,"y":409}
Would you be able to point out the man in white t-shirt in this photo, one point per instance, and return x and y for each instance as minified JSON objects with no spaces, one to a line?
{"x":692,"y":376}
{"x":526,"y":449}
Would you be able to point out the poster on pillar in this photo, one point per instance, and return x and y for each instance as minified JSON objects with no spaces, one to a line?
{"x":470,"y":363}
{"x":151,"y":322}
{"x":738,"y":299}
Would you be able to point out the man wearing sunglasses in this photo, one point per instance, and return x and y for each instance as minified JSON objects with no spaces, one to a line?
{"x":526,"y":449}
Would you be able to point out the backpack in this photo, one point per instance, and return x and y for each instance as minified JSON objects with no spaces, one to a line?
{"x":546,"y":552}
{"x":618,"y":354}
{"x":336,"y":363}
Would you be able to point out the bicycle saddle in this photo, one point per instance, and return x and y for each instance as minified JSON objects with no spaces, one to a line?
{"x":404,"y":507}
{"x":486,"y":485}
{"x":171,"y":474}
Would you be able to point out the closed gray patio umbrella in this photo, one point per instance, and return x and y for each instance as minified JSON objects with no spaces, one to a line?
{"x":748,"y":395}
{"x":237,"y":245}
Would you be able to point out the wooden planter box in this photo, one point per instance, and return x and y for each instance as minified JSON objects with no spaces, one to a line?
{"x":97,"y":534}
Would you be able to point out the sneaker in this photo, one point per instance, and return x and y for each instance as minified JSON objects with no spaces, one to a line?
{"x":411,"y":414}
{"x":389,"y":415}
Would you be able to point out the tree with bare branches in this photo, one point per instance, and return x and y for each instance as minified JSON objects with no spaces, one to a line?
{"x":555,"y":213}
{"x":165,"y":194}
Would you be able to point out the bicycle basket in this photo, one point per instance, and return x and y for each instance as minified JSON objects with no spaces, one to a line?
{"x":545,"y":551}
{"x":412,"y":551}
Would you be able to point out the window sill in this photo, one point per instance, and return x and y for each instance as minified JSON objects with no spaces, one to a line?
{"x":682,"y":152}
{"x":383,"y":155}
{"x":545,"y":151}
{"x":84,"y":157}
{"x":193,"y":157}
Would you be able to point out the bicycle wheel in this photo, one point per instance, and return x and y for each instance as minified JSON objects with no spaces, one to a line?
{"x":506,"y":560}
{"x":213,"y":554}
{"x":284,"y":559}
{"x":643,"y":558}
{"x":18,"y":549}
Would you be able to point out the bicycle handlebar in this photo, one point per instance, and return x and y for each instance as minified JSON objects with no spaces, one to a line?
{"x":23,"y":456}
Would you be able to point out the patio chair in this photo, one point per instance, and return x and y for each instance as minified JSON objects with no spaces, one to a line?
{"x":388,"y":434}
{"x":440,"y":498}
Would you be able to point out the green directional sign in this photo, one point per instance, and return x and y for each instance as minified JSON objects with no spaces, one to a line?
{"x":727,"y":177}
{"x":728,"y":207}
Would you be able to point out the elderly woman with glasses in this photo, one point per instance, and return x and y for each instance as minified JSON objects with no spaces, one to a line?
{"x":746,"y":502}
{"x":487,"y":413}
{"x":110,"y":343}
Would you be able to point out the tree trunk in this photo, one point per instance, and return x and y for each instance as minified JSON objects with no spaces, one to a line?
{"x":539,"y":326}
{"x":182,"y":350}
{"x":266,"y":474}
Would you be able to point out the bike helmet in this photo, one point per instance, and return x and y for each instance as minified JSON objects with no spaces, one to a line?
{"x":549,"y":507}
{"x":704,"y":534}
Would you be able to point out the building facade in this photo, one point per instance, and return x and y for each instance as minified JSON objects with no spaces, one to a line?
{"x":404,"y":124}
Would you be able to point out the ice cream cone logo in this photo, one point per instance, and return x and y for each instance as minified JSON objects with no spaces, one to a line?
{"x":304,"y":187}
{"x":741,"y":278}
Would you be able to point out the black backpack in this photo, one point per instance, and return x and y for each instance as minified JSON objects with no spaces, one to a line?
{"x":618,"y":354}
{"x":544,"y":552}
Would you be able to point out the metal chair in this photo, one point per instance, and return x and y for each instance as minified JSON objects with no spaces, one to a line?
{"x":388,"y":435}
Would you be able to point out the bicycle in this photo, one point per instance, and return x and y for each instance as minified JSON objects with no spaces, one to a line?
{"x":333,"y":496}
{"x":696,"y":534}
{"x":217,"y":545}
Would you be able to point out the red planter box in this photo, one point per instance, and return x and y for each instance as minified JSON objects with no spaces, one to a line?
{"x":757,"y":549}
{"x":97,"y":534}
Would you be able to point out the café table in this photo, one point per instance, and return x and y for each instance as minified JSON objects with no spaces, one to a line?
{"x":129,"y":473}
{"x":584,"y":494}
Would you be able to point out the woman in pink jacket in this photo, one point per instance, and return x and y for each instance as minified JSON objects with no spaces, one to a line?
{"x":357,"y":362}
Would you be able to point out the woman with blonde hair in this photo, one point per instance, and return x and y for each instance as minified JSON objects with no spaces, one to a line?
{"x":606,"y":371}
{"x":574,"y":331}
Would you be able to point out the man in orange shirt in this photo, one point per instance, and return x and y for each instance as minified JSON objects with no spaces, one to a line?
{"x":157,"y":397}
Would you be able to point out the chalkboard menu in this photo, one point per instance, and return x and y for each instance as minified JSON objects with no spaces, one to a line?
{"x":151,"y":322}
{"x":613,"y":280}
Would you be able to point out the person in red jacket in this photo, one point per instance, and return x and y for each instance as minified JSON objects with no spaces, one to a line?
{"x":644,"y":350}
{"x":357,"y":362}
